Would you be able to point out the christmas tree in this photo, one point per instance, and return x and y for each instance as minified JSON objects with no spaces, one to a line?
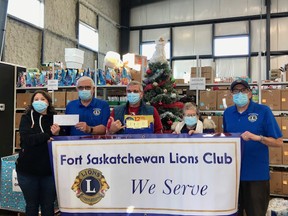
{"x":159,"y":88}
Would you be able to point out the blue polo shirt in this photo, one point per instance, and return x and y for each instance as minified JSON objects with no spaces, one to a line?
{"x":257,"y":119}
{"x":96,"y":113}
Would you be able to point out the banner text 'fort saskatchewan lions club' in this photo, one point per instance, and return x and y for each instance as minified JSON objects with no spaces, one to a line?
{"x":167,"y":175}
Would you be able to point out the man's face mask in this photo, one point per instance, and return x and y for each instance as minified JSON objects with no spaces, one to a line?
{"x":133,"y":98}
{"x":85,"y":94}
{"x":240,"y":99}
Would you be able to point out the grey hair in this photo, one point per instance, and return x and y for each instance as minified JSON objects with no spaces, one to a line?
{"x":85,"y":78}
{"x":190,"y":106}
{"x":133,"y":83}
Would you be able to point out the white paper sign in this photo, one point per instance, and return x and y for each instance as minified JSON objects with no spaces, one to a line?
{"x":52,"y":85}
{"x":66,"y":120}
{"x":197,"y":83}
{"x":175,"y":176}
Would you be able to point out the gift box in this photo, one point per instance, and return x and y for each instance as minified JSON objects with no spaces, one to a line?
{"x":11,"y":197}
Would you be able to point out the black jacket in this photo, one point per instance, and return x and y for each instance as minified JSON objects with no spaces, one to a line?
{"x":34,"y":156}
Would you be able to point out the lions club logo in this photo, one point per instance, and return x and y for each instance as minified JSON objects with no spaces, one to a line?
{"x":90,"y":186}
{"x":252,"y":117}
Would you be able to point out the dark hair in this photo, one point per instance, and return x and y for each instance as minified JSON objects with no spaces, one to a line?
{"x":50,"y":108}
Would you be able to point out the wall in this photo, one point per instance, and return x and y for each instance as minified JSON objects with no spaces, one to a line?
{"x":197,"y":39}
{"x":23,"y":42}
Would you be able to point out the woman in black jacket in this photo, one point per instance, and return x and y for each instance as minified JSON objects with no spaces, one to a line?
{"x":33,"y":166}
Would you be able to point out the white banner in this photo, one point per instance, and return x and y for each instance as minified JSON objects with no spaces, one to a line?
{"x":177,"y":176}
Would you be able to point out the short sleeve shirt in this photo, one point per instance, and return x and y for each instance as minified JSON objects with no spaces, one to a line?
{"x":96,"y":113}
{"x":257,"y":119}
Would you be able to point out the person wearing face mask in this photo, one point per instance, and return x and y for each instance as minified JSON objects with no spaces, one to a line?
{"x":191,"y":123}
{"x":259,"y":130}
{"x":93,"y":112}
{"x":33,"y":166}
{"x":134,"y":106}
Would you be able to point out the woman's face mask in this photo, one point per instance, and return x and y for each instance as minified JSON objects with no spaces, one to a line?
{"x":39,"y":106}
{"x":240,"y":99}
{"x":190,"y":120}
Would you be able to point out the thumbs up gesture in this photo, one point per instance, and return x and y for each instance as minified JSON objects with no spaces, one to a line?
{"x":115,"y":126}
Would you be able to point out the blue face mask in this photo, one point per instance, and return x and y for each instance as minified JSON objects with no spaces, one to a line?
{"x":240,"y":99}
{"x":190,"y":120}
{"x":85,"y":95}
{"x":133,"y":98}
{"x":39,"y":106}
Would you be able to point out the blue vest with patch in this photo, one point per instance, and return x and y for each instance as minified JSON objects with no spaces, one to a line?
{"x":122,"y":110}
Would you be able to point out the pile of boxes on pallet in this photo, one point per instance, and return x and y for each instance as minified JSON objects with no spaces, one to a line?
{"x":278,"y":179}
{"x":206,"y":72}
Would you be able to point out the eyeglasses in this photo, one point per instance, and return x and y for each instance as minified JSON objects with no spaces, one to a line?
{"x":134,"y":91}
{"x":84,"y":87}
{"x":243,"y":90}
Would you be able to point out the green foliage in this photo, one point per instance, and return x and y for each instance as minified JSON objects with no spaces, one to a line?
{"x":159,"y":86}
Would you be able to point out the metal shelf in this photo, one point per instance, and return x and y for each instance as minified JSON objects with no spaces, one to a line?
{"x":44,"y":87}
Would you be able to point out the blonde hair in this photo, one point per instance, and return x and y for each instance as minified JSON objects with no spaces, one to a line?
{"x":190,"y":106}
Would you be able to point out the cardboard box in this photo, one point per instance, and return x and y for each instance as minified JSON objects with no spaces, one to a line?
{"x":136,"y":76}
{"x":284,"y":183}
{"x":284,"y":126}
{"x":275,"y":155}
{"x":71,"y":95}
{"x":220,"y":124}
{"x":207,"y":100}
{"x":138,"y":65}
{"x":224,"y":99}
{"x":11,"y":196}
{"x":23,"y":100}
{"x":179,"y":81}
{"x":271,"y":98}
{"x":206,"y":72}
{"x":285,"y":154}
{"x":59,"y":99}
{"x":279,"y":121}
{"x":18,"y":119}
{"x":284,"y":99}
{"x":275,"y":182}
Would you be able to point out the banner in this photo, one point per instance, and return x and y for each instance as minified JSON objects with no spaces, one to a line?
{"x":147,"y":175}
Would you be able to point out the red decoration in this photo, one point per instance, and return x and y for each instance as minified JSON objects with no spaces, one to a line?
{"x":160,"y":103}
{"x":149,"y":71}
{"x":169,"y":122}
{"x":148,"y":87}
{"x":162,"y":83}
{"x":173,"y":105}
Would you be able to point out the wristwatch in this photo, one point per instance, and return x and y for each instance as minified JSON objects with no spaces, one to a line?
{"x":91,"y":130}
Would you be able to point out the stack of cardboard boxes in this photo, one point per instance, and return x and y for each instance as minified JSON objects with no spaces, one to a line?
{"x":206,"y":72}
{"x":279,"y":179}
